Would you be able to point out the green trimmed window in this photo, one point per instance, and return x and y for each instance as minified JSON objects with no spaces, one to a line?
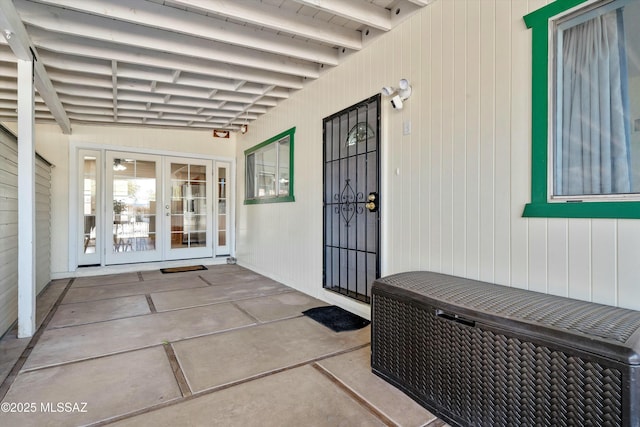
{"x":585,"y":109}
{"x":269,"y":170}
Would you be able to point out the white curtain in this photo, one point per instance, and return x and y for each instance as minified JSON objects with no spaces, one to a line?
{"x":595,"y":156}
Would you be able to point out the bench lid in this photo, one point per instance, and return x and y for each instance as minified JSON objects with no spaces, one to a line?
{"x":606,"y":330}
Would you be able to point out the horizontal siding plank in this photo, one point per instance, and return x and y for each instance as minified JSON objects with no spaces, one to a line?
{"x":9,"y":230}
{"x":8,"y":204}
{"x":9,"y":269}
{"x":8,"y":191}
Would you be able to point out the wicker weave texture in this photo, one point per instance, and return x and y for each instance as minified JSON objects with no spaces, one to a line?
{"x":478,"y":377}
{"x":591,"y":319}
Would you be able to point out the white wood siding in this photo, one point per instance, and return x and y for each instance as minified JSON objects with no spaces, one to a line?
{"x":43,"y":224}
{"x":9,"y":228}
{"x":8,"y":231}
{"x":464,"y":172}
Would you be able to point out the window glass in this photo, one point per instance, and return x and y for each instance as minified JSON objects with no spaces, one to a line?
{"x":283,"y":167}
{"x":597,"y":76}
{"x":269,"y":170}
{"x":251,"y":176}
{"x":266,"y":163}
{"x":585,"y":133}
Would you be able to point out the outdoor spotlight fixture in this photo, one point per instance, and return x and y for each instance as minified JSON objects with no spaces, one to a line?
{"x":398,"y":95}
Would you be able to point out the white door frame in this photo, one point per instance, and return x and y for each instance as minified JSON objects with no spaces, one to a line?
{"x":75,"y":195}
{"x":205,"y":251}
{"x":126,"y":252}
{"x":83,"y":241}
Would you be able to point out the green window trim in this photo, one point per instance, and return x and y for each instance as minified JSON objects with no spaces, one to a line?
{"x":274,"y":199}
{"x":538,"y":22}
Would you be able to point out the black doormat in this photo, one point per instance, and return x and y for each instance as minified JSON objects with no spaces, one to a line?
{"x":336,"y":318}
{"x":183,"y":269}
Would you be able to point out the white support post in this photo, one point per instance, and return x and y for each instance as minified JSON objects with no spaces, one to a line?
{"x":26,"y":201}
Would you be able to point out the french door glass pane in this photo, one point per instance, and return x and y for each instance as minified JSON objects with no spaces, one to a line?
{"x":89,"y":197}
{"x":134,"y":205}
{"x":222,"y":206}
{"x":188,"y":206}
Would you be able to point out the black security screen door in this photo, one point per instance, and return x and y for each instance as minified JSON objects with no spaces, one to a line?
{"x":351,"y":199}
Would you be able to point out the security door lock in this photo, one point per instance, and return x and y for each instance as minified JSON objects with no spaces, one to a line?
{"x":372,"y":204}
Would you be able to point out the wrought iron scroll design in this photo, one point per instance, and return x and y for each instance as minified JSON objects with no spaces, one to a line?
{"x":347,"y":202}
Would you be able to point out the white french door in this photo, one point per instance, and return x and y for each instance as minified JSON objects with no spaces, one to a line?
{"x":133,"y":215}
{"x":187,"y":208}
{"x":89,"y":236}
{"x":156,"y":208}
{"x":223,"y":193}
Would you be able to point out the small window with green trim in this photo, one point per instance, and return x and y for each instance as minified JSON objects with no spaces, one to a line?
{"x":269,"y":170}
{"x":586,"y":102}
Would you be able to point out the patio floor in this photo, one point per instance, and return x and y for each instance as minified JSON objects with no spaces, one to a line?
{"x":223,"y":346}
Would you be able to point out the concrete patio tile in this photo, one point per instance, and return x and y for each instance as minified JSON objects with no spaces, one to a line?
{"x":253,"y":351}
{"x":216,"y":277}
{"x":81,"y":313}
{"x":354,"y":370}
{"x":95,"y":293}
{"x":10,"y":346}
{"x":281,"y":306}
{"x":48,"y":298}
{"x":110,"y":386}
{"x":174,"y":300}
{"x":298,"y":397}
{"x":216,"y":269}
{"x":98,"y":339}
{"x":108,"y":279}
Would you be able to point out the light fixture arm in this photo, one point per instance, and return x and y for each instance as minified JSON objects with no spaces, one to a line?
{"x":398,"y":95}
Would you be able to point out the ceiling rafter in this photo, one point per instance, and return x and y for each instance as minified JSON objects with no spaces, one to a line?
{"x":18,"y":38}
{"x":187,"y":63}
{"x":101,"y":77}
{"x":279,"y":19}
{"x":78,"y":24}
{"x":180,"y":21}
{"x":101,"y":50}
{"x":365,"y":13}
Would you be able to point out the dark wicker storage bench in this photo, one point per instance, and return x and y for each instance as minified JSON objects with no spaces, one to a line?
{"x":478,"y":354}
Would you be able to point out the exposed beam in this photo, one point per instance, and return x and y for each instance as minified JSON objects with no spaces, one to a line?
{"x":365,"y":13}
{"x":12,"y":26}
{"x":144,"y":80}
{"x":26,"y":202}
{"x":107,"y":30}
{"x":180,"y":21}
{"x":102,"y":50}
{"x":268,"y":16}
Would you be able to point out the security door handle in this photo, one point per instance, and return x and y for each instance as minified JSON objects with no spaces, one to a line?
{"x":372,"y":204}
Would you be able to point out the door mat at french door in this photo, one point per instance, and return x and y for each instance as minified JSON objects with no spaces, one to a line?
{"x":336,"y":318}
{"x":183,"y":269}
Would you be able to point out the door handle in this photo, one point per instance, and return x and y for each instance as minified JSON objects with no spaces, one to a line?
{"x":372,"y":203}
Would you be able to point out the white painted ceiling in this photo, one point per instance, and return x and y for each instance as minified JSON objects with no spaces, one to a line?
{"x":213,"y":64}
